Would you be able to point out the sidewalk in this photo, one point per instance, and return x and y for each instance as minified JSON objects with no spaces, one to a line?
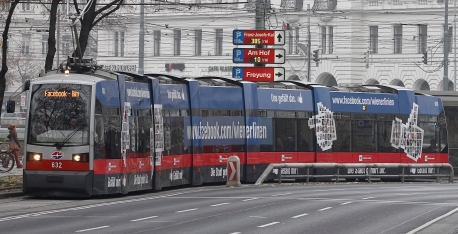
{"x":15,"y":171}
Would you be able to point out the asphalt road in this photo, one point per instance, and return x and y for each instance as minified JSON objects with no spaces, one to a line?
{"x":289,"y":208}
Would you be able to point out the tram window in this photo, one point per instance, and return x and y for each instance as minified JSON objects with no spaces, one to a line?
{"x":236,"y":112}
{"x":432,"y":142}
{"x":285,"y":114}
{"x":285,"y":135}
{"x":205,"y":113}
{"x":184,"y":112}
{"x":98,"y":107}
{"x":300,"y":115}
{"x":262,"y":113}
{"x":384,"y":135}
{"x":305,"y":139}
{"x":363,"y":136}
{"x":364,"y":116}
{"x":343,"y":131}
{"x":174,"y":113}
{"x":112,"y":136}
{"x":99,"y":141}
{"x":111,"y":111}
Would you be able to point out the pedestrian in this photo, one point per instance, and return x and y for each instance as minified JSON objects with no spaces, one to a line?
{"x":14,"y":144}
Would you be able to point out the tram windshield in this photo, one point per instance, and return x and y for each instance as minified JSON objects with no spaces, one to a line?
{"x":59,"y":113}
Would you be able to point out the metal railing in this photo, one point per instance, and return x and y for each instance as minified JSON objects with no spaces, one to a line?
{"x":368,"y":175}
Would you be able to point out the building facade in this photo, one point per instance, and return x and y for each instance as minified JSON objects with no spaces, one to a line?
{"x":358,"y":42}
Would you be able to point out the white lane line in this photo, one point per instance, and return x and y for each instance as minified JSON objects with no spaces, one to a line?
{"x":259,"y":217}
{"x":327,"y":208}
{"x":220,"y":204}
{"x":326,"y":190}
{"x":281,"y":194}
{"x":367,"y":198}
{"x":269,"y":224}
{"x":346,"y":203}
{"x":432,"y":221}
{"x":151,"y":217}
{"x":298,"y":216}
{"x":90,"y":229}
{"x":235,"y":233}
{"x":182,"y":211}
{"x":251,"y":199}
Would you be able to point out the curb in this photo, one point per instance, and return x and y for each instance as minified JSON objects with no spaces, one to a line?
{"x":9,"y":192}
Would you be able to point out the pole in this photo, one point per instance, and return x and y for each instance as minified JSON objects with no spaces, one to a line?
{"x":454,"y":44}
{"x":309,"y":44}
{"x":141,"y":48}
{"x":446,"y":45}
{"x":58,"y":37}
{"x":260,"y":22}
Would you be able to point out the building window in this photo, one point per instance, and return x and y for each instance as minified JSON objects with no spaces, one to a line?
{"x":25,"y":44}
{"x":66,"y":39}
{"x":44,"y":44}
{"x":290,"y":42}
{"x":119,"y":40}
{"x":64,"y":7}
{"x":219,"y":42}
{"x":297,"y":39}
{"x":176,"y":41}
{"x":198,"y":42}
{"x":422,"y":38}
{"x":157,"y":42}
{"x":26,"y":5}
{"x":398,"y":38}
{"x":331,"y":39}
{"x":219,"y":1}
{"x":373,"y":39}
{"x":323,"y":39}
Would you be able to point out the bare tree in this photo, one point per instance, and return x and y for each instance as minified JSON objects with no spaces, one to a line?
{"x":25,"y":66}
{"x":52,"y":35}
{"x":92,"y":17}
{"x":4,"y":69}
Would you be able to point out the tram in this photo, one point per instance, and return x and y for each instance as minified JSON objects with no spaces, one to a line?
{"x":94,"y":132}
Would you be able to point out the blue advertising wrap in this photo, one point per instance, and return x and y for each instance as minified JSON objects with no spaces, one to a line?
{"x":174,"y":96}
{"x":228,"y":130}
{"x":284,"y":99}
{"x":138,"y":94}
{"x":212,"y":97}
{"x":107,"y":92}
{"x":429,"y":105}
{"x":373,"y":102}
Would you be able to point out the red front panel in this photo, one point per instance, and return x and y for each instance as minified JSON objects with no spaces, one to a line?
{"x":57,"y":165}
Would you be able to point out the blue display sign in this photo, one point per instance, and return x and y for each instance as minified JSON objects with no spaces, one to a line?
{"x":364,"y":102}
{"x":276,"y":99}
{"x":230,"y":130}
{"x":174,"y":96}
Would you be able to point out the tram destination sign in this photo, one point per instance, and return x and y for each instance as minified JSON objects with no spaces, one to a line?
{"x":259,"y":74}
{"x":258,"y":55}
{"x":258,"y":37}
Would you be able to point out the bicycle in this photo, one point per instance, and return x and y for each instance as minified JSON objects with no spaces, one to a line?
{"x":6,"y":159}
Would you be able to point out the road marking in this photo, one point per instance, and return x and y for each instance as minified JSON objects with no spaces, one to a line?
{"x":298,"y":216}
{"x":281,"y":194}
{"x":90,"y":229}
{"x":432,"y":221}
{"x":220,"y":204}
{"x":259,"y":217}
{"x":269,"y":224}
{"x":182,"y":211}
{"x":326,"y":190}
{"x":367,"y":198}
{"x":327,"y":208}
{"x":251,"y":199}
{"x":151,"y":217}
{"x":346,"y":203}
{"x":235,"y":233}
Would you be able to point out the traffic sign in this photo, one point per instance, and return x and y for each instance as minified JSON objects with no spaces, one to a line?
{"x":258,"y":37}
{"x":258,"y":55}
{"x":233,"y":171}
{"x":259,"y":74}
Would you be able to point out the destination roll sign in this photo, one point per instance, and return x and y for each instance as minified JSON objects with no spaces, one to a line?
{"x":258,"y":55}
{"x":258,"y":37}
{"x":259,"y":74}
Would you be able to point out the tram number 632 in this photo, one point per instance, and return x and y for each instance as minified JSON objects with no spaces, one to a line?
{"x":56,"y":164}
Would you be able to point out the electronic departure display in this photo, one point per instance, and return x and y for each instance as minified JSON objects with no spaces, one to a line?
{"x":62,"y":93}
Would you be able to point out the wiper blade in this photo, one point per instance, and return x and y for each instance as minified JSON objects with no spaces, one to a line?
{"x":61,"y":144}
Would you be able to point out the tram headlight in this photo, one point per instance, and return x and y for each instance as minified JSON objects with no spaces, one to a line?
{"x":34,"y":157}
{"x":80,"y":157}
{"x":76,"y":157}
